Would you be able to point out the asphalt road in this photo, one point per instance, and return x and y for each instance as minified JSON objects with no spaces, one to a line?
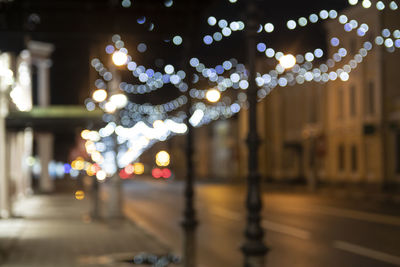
{"x":302,"y":230}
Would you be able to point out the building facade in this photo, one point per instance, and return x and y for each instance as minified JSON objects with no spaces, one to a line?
{"x":339,"y":131}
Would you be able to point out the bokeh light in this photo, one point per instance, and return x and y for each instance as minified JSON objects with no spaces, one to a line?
{"x":99,"y":95}
{"x":119,"y":58}
{"x":287,"y":61}
{"x":213,"y":95}
{"x":162,"y":158}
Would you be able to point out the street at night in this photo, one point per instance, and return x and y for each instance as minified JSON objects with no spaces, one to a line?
{"x":213,"y":133}
{"x":302,"y":229}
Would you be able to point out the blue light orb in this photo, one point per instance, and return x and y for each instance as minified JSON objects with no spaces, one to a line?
{"x":168,"y":3}
{"x":142,"y":47}
{"x":110,"y":49}
{"x":207,"y":39}
{"x":261,"y":47}
{"x":67,"y":168}
{"x":334,"y":41}
{"x":150,"y":73}
{"x":141,"y":20}
{"x":219,"y":69}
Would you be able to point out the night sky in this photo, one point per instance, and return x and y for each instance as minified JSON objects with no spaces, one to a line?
{"x":81,"y":29}
{"x":77,"y":28}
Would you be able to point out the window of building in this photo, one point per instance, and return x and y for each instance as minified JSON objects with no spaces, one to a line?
{"x":371,"y":98}
{"x":354,"y":161}
{"x":397,"y":151}
{"x":313,"y":107}
{"x":353,"y":46}
{"x":340,"y":99}
{"x":353,"y":108}
{"x":341,"y":162}
{"x":34,"y":82}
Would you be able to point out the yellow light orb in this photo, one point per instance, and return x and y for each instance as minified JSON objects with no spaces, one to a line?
{"x":85,"y":134}
{"x":91,"y":170}
{"x":213,"y":95}
{"x":138,"y":168}
{"x":79,"y":164}
{"x":99,"y":95}
{"x":119,"y":58}
{"x":287,"y":61}
{"x":162,"y":158}
{"x":79,"y":195}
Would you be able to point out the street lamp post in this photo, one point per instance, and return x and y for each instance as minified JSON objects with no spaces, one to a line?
{"x":189,"y":222}
{"x":113,"y":102}
{"x":254,"y":249}
{"x":116,"y":199}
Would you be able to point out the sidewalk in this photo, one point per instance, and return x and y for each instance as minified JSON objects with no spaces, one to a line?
{"x":55,"y":231}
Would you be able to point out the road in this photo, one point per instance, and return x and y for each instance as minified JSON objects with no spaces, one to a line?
{"x":302,"y":230}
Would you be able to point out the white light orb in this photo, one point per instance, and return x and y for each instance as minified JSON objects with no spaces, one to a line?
{"x":119,"y":100}
{"x":119,"y":58}
{"x":213,"y":95}
{"x":291,"y":24}
{"x":110,"y":107}
{"x":99,"y":95}
{"x":269,"y":27}
{"x":287,"y":61}
{"x":366,"y":4}
{"x":169,"y":69}
{"x":211,"y":21}
{"x":101,"y":175}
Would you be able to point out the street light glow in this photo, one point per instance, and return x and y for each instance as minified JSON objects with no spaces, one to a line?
{"x":138,"y":168}
{"x":287,"y":61}
{"x":213,"y":95}
{"x":99,"y":95}
{"x":110,"y":107}
{"x":101,"y":175}
{"x":119,"y":58}
{"x":119,"y":100}
{"x":162,"y":158}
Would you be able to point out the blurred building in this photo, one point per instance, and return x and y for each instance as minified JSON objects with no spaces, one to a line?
{"x":15,"y":146}
{"x":339,"y":131}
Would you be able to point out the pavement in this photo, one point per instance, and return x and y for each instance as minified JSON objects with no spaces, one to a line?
{"x":55,"y":230}
{"x":342,"y":192}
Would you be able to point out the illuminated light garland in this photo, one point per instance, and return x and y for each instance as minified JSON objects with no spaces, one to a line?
{"x":101,"y":69}
{"x":226,"y":29}
{"x":237,"y":79}
{"x":321,"y":73}
{"x":153,"y":80}
{"x":162,"y":108}
{"x":305,"y":72}
{"x":318,"y":76}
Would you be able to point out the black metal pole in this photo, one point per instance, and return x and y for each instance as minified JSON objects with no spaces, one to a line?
{"x":189,"y":222}
{"x":95,"y":199}
{"x":116,"y":191}
{"x":254,"y":249}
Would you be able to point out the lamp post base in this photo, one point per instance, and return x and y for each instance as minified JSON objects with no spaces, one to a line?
{"x":189,"y":244}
